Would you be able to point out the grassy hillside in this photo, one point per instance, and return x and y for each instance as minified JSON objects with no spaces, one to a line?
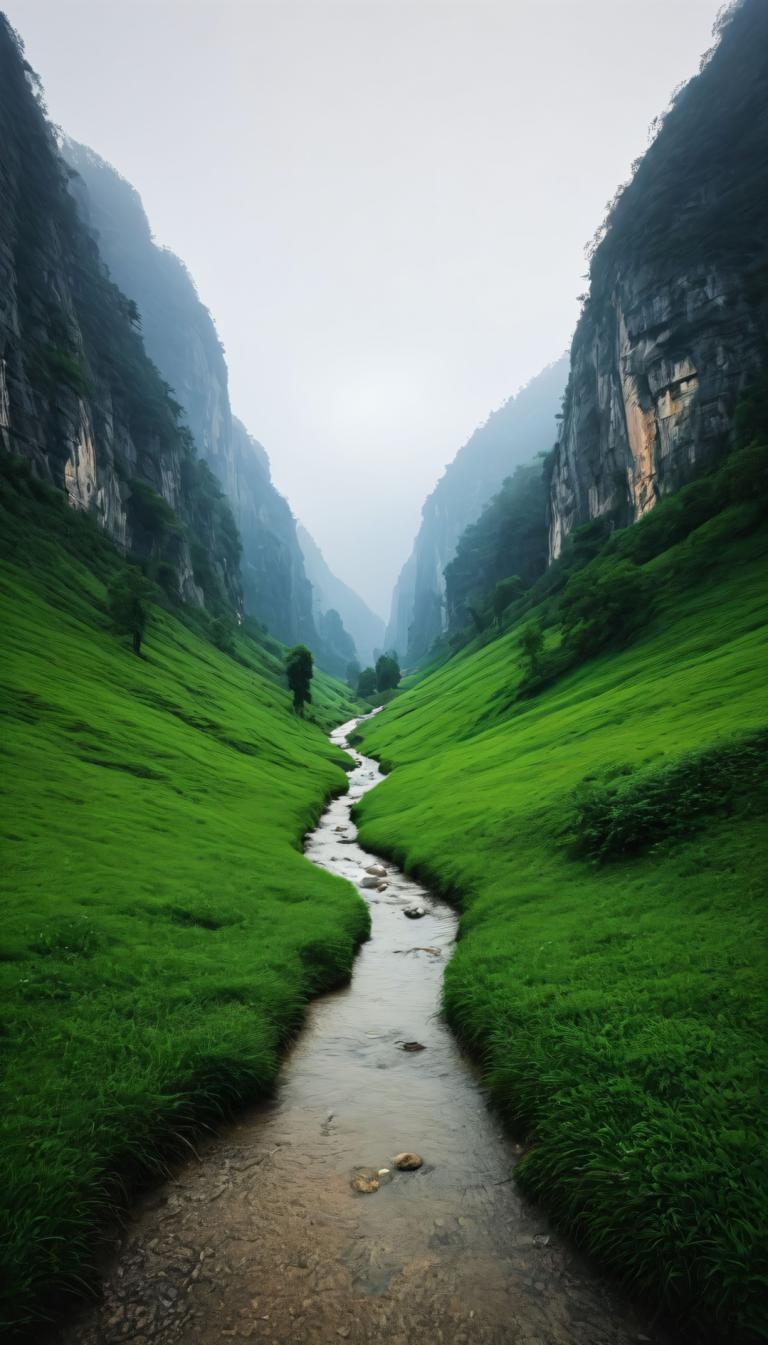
{"x":161,"y":931}
{"x":617,"y":1002}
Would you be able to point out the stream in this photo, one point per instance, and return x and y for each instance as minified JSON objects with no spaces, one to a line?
{"x":263,"y":1238}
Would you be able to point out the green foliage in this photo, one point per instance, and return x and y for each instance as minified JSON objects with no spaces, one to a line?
{"x":387,"y":672}
{"x":618,"y":1009}
{"x":628,"y":815}
{"x":505,"y":592}
{"x":128,"y":599}
{"x":299,"y":671}
{"x":366,"y":682}
{"x":150,"y":512}
{"x":532,"y":646}
{"x":53,"y":365}
{"x":509,"y":539}
{"x":602,"y":603}
{"x":223,"y":635}
{"x":161,"y":929}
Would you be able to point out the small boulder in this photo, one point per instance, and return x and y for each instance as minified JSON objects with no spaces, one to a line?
{"x":408,"y":1162}
{"x":381,"y":887}
{"x":414,"y":912}
{"x":366,"y":1181}
{"x":377,"y":870}
{"x":413,"y":1046}
{"x":370,"y":882}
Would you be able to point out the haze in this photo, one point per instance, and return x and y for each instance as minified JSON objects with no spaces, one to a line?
{"x":384,"y":205}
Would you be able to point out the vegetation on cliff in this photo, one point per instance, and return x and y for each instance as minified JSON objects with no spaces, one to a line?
{"x":604,"y":836}
{"x":162,"y":930}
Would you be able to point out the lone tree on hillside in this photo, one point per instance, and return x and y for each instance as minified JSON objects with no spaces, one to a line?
{"x":532,"y":646}
{"x":366,"y":682}
{"x":299,"y":669}
{"x":387,"y":672}
{"x":504,"y":593}
{"x":128,"y":599}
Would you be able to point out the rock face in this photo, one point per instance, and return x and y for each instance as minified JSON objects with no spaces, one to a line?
{"x":331,"y":594}
{"x":674,"y":327}
{"x":79,"y":397}
{"x":521,"y":428}
{"x":181,"y":338}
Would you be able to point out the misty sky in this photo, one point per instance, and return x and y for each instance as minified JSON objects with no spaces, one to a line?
{"x":384,"y":203}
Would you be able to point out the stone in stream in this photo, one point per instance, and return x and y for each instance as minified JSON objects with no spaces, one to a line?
{"x":413,"y":912}
{"x":381,"y":887}
{"x":365,"y":1181}
{"x":408,"y":1162}
{"x":377,"y":870}
{"x":370,"y":882}
{"x":413,"y":1046}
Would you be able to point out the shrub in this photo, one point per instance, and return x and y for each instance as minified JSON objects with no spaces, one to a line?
{"x":602,"y":603}
{"x":628,"y":815}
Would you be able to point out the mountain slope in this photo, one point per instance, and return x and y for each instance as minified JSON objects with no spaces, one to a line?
{"x":605,"y":838}
{"x":79,"y":398}
{"x":162,"y":930}
{"x":521,"y":428}
{"x":181,"y":338}
{"x":366,"y":629}
{"x":676,"y":322}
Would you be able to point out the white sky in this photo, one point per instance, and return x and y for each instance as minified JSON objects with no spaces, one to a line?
{"x":384,"y":203}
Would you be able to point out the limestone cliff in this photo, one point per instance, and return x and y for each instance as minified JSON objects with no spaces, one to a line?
{"x":181,"y":337}
{"x":674,"y":325}
{"x":524,"y":426}
{"x":79,"y":396}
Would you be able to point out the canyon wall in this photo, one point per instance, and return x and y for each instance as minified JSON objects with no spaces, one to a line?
{"x":79,"y":397}
{"x":673,"y":330}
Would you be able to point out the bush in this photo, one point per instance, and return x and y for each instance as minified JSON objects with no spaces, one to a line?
{"x":628,"y":815}
{"x":602,"y":603}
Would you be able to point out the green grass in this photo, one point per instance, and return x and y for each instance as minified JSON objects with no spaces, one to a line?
{"x":162,"y":931}
{"x":618,"y":1008}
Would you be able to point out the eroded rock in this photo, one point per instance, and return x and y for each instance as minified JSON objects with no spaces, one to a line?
{"x":408,"y":1162}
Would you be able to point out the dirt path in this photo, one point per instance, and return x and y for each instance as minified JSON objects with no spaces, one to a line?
{"x":264,"y":1239}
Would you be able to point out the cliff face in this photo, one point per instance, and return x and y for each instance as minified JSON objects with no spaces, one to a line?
{"x":674,"y":327}
{"x":79,"y":397}
{"x":275,"y":586}
{"x":514,"y":434}
{"x":331,"y":594}
{"x":181,"y":337}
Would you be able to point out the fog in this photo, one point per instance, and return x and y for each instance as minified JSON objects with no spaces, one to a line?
{"x":384,"y":203}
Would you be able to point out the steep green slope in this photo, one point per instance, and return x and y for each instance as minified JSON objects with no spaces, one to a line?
{"x":162,"y":930}
{"x":617,"y":1005}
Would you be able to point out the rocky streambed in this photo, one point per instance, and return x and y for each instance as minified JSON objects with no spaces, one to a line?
{"x":372,"y":1199}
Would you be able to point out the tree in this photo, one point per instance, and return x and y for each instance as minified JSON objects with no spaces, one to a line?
{"x":128,"y":599}
{"x":532,"y":646}
{"x":366,"y":682}
{"x":504,"y":593}
{"x":299,"y":670}
{"x":387,"y":672}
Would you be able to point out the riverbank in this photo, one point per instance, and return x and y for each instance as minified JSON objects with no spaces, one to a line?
{"x":618,"y":1006}
{"x":162,"y":931}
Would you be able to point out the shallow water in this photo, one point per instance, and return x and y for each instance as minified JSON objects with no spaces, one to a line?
{"x":263,"y":1237}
